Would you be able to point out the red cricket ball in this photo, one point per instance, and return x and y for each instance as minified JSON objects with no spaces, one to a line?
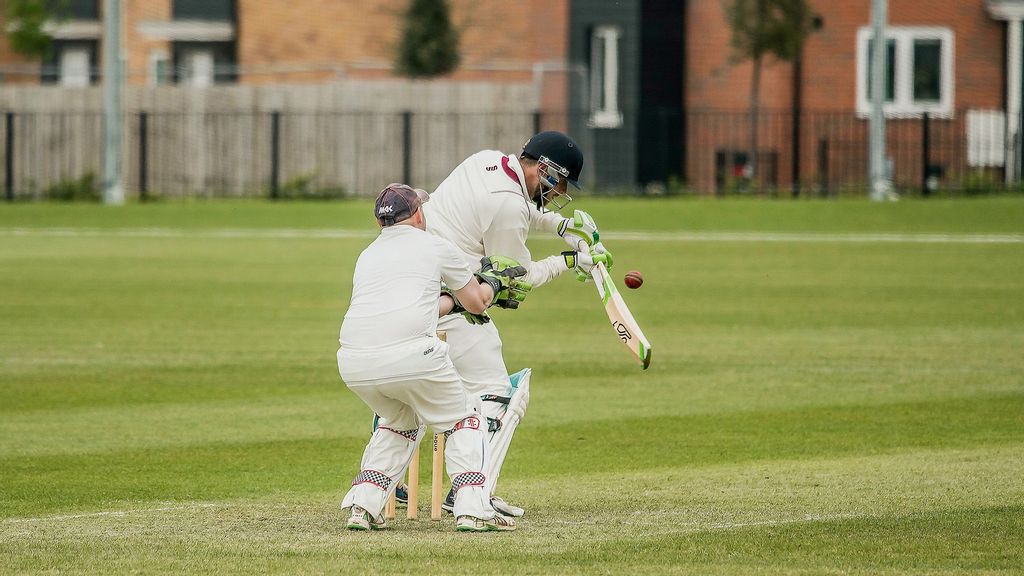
{"x":634,"y":279}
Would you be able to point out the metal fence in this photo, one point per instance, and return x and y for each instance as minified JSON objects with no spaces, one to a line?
{"x":331,"y":154}
{"x":826,"y":153}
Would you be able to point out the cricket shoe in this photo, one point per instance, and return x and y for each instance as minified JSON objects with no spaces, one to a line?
{"x":361,"y":520}
{"x":473,"y":524}
{"x":497,"y":502}
{"x":449,"y":502}
{"x":502,"y":507}
{"x":401,"y":493}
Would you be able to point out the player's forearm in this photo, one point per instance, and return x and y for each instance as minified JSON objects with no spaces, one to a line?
{"x":543,"y":271}
{"x":475,"y":297}
{"x":444,"y":305}
{"x":545,"y":221}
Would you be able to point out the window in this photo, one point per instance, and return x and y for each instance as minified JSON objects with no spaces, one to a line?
{"x":204,"y":10}
{"x":72,"y":63}
{"x":74,"y":67}
{"x":604,"y":77}
{"x":204,"y":63}
{"x":919,"y":71}
{"x":75,"y":9}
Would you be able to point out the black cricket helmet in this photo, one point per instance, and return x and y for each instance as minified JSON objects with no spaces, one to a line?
{"x":560,"y":154}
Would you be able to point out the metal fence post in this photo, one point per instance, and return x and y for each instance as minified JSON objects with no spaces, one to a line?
{"x":275,"y":154}
{"x":407,"y":147}
{"x":143,"y":156}
{"x":9,"y":156}
{"x":925,"y":154}
{"x":823,"y":167}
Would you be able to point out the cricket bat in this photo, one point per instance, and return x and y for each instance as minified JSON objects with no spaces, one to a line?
{"x":623,"y":323}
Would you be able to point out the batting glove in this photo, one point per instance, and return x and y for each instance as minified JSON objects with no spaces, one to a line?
{"x":582,"y":262}
{"x":598,"y":248}
{"x":579,"y":232}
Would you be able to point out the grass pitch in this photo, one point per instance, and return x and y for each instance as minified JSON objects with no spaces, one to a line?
{"x":836,"y":388}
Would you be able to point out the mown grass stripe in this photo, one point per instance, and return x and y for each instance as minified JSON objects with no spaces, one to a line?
{"x":622,"y":235}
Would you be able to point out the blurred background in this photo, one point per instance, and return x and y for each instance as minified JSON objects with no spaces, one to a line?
{"x":334,"y":98}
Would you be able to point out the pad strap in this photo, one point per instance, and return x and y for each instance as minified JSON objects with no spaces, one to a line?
{"x":496,"y":398}
{"x":470,"y":423}
{"x":467,"y":479}
{"x":378,"y":479}
{"x":409,"y":435}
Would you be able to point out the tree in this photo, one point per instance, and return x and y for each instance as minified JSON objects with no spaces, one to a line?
{"x":430,"y":44}
{"x":27,"y":34}
{"x":760,"y":28}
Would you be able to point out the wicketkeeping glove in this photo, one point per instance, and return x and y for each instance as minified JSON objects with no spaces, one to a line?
{"x":502,"y":274}
{"x":579,"y":232}
{"x":459,"y":309}
{"x":582,"y":262}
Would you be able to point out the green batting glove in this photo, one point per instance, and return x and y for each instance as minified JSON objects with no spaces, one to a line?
{"x":580,"y":231}
{"x":600,"y":249}
{"x":583,"y":262}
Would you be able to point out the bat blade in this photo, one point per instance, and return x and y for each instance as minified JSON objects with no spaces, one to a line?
{"x":623,"y":323}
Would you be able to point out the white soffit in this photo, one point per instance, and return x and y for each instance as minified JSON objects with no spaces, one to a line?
{"x":1006,"y":9}
{"x":187,"y":30}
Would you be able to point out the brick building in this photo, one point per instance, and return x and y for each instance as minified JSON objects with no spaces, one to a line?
{"x":649,"y":87}
{"x":955,"y":61}
{"x":298,"y":41}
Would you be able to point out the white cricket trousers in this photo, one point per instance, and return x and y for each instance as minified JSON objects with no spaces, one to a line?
{"x":476,"y":352}
{"x":416,"y":384}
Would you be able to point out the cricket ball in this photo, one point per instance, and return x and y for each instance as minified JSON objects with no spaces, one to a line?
{"x":634,"y":279}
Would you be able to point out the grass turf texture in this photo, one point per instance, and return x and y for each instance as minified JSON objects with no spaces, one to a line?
{"x":169,"y":400}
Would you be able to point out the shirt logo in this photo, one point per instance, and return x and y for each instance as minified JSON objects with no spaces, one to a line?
{"x":491,"y":168}
{"x":428,"y":350}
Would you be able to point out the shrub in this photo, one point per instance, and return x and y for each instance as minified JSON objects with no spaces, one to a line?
{"x":83,"y":189}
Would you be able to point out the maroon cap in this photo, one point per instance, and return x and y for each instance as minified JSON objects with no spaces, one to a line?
{"x":398,"y":202}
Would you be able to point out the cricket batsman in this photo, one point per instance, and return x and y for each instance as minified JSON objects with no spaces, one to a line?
{"x":489,"y":205}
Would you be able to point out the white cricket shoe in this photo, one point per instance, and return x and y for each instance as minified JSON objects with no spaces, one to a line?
{"x":505,"y":508}
{"x":361,"y":520}
{"x":473,"y":524}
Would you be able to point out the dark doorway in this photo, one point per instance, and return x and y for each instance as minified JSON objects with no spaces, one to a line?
{"x":660,"y":122}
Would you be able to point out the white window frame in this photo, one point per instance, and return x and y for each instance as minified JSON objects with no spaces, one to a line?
{"x":604,"y":81}
{"x":903,"y":104}
{"x":72,"y":74}
{"x":198,"y":68}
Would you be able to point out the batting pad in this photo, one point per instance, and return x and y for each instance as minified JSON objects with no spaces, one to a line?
{"x":465,"y":453}
{"x":385,"y":460}
{"x":508,"y":415}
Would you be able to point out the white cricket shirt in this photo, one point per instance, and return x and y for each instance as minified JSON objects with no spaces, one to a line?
{"x":395,"y":288}
{"x":484,"y":209}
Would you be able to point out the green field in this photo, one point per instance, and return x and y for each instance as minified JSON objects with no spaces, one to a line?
{"x":836,"y":388}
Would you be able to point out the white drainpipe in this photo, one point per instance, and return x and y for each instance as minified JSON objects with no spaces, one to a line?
{"x":1012,"y":12}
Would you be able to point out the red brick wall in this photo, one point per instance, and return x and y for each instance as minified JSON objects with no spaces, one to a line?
{"x":302,"y":41}
{"x":138,"y":47}
{"x":11,"y":61}
{"x":716,"y":80}
{"x":499,"y":41}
